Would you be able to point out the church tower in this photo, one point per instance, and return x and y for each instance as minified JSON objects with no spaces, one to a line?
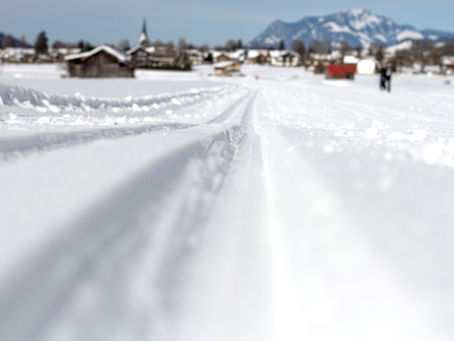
{"x":143,"y":40}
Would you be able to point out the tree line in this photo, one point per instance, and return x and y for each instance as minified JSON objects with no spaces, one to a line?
{"x":423,"y":52}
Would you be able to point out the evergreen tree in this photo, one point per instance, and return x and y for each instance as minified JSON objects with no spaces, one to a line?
{"x":84,"y":46}
{"x":41,"y":46}
{"x":282,"y":45}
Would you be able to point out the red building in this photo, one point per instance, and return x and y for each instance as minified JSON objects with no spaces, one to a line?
{"x":340,"y":71}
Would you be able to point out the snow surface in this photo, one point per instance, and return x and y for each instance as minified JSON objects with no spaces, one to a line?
{"x":409,"y":34}
{"x":405,"y":45}
{"x":180,"y":206}
{"x":333,"y":27}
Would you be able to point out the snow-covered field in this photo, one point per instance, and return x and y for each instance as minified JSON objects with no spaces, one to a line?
{"x":180,"y":206}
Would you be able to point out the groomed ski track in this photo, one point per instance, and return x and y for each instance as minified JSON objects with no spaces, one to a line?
{"x":230,"y":228}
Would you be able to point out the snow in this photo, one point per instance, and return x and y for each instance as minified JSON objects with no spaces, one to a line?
{"x":447,"y":60}
{"x":179,"y":206}
{"x":363,"y":18}
{"x":409,"y":34}
{"x":253,"y":53}
{"x":405,"y":45}
{"x":110,"y":50}
{"x":273,"y":39}
{"x":350,"y":60}
{"x":356,"y":11}
{"x":380,"y":37}
{"x":333,"y":27}
{"x":222,"y":65}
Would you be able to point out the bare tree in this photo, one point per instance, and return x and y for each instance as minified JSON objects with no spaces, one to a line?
{"x":448,"y":49}
{"x":344,"y":48}
{"x":358,"y":51}
{"x":124,"y":45}
{"x":204,"y":48}
{"x":377,"y":51}
{"x":23,"y":42}
{"x":422,"y":50}
{"x":230,"y":45}
{"x":58,"y":44}
{"x":299,"y":47}
{"x":317,"y":47}
{"x":182,"y":45}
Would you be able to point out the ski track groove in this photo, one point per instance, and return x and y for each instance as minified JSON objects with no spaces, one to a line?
{"x":46,"y":285}
{"x":11,"y":148}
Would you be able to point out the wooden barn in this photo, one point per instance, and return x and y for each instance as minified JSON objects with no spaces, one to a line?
{"x":140,"y":57}
{"x":103,"y":61}
{"x":222,"y":57}
{"x":258,"y":57}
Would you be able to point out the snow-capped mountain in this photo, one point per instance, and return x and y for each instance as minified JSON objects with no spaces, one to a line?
{"x":358,"y":27}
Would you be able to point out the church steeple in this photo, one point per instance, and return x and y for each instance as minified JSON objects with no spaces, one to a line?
{"x":143,"y":40}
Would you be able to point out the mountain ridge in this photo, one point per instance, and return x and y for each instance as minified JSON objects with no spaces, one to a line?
{"x":12,"y":41}
{"x":357,"y":27}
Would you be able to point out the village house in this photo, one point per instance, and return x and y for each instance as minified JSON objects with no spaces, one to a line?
{"x":284,"y":58}
{"x":448,"y":64}
{"x":257,"y":57}
{"x":162,"y":56}
{"x":221,"y":56}
{"x":17,"y":55}
{"x":195,"y":56}
{"x":227,"y":68}
{"x":238,"y":55}
{"x":367,"y":66}
{"x":103,"y":61}
{"x":58,"y":54}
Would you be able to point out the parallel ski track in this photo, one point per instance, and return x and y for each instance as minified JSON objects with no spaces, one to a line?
{"x":33,"y":299}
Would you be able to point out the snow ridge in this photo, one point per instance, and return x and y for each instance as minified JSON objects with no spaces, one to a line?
{"x":33,"y":99}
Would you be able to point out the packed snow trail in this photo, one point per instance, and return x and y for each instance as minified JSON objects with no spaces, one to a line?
{"x":183,"y":182}
{"x":275,"y":215}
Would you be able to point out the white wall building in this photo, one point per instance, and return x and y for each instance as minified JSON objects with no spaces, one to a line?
{"x":366,"y":66}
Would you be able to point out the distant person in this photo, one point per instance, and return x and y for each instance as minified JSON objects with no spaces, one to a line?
{"x":385,"y":77}
{"x":382,"y":78}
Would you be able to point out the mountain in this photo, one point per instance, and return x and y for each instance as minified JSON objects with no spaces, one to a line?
{"x":10,"y":41}
{"x":358,"y":27}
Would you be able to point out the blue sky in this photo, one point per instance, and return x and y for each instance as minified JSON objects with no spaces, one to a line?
{"x":198,"y":21}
